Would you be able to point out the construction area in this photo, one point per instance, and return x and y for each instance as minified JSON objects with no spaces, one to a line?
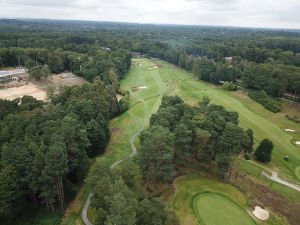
{"x":16,"y":83}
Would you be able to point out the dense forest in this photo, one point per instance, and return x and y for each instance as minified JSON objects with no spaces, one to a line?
{"x":46,"y":146}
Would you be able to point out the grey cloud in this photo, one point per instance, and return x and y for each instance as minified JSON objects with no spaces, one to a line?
{"x":255,"y":13}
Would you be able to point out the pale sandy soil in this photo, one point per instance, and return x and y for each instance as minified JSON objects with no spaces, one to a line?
{"x":18,"y":92}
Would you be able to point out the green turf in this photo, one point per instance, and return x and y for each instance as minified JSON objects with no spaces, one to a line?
{"x":212,"y":209}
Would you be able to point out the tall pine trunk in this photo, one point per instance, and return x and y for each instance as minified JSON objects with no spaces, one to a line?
{"x":239,"y":166}
{"x":61,"y":196}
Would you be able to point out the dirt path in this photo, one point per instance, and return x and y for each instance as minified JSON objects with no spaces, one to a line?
{"x":276,"y":178}
{"x":88,"y":201}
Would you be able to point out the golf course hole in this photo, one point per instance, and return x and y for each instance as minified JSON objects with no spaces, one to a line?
{"x":212,"y":209}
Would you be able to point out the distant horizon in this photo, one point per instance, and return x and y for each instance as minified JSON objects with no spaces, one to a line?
{"x":142,"y":23}
{"x":279,"y":14}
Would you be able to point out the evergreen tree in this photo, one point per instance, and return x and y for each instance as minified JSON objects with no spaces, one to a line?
{"x":263,"y":152}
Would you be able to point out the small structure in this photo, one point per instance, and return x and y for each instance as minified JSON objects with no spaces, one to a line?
{"x":107,"y":49}
{"x":4,"y":78}
{"x":261,"y":213}
{"x":10,"y":75}
{"x":136,"y":54}
{"x":228,"y":59}
{"x":290,"y":96}
{"x":286,"y":158}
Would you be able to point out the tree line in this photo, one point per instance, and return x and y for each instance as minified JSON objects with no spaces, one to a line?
{"x":178,"y":133}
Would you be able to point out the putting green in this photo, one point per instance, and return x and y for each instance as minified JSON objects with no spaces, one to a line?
{"x":213,"y":209}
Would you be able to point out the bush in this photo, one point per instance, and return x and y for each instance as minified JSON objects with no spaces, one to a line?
{"x":124,"y":102}
{"x":263,"y":152}
{"x":264,"y":99}
{"x":293,"y":118}
{"x":229,"y":86}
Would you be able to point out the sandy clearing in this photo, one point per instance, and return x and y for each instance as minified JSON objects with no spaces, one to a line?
{"x":297,"y":142}
{"x":152,"y":68}
{"x":18,"y":92}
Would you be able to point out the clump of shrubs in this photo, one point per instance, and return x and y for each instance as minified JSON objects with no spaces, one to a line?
{"x":293,"y":118}
{"x":229,"y":86}
{"x":264,"y":99}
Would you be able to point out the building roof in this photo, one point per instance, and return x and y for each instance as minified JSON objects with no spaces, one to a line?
{"x":5,"y":73}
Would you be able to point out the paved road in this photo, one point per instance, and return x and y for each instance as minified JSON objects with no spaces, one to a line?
{"x":277,"y":179}
{"x":88,"y":201}
{"x":84,"y":210}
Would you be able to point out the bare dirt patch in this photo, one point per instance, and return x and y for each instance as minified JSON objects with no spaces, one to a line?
{"x":66,"y":79}
{"x":27,"y":89}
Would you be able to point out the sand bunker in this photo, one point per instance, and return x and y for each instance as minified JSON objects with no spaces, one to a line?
{"x":142,"y":87}
{"x":119,"y":97}
{"x":152,"y":68}
{"x":297,"y":142}
{"x":289,"y":130}
{"x":138,"y":88}
{"x":261,"y":213}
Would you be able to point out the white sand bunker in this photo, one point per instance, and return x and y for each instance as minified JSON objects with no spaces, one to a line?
{"x":297,"y":142}
{"x":289,"y":130}
{"x":261,"y":213}
{"x":152,"y":68}
{"x":142,"y":87}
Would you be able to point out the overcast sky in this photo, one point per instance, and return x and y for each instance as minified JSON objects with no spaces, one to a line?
{"x":249,"y":13}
